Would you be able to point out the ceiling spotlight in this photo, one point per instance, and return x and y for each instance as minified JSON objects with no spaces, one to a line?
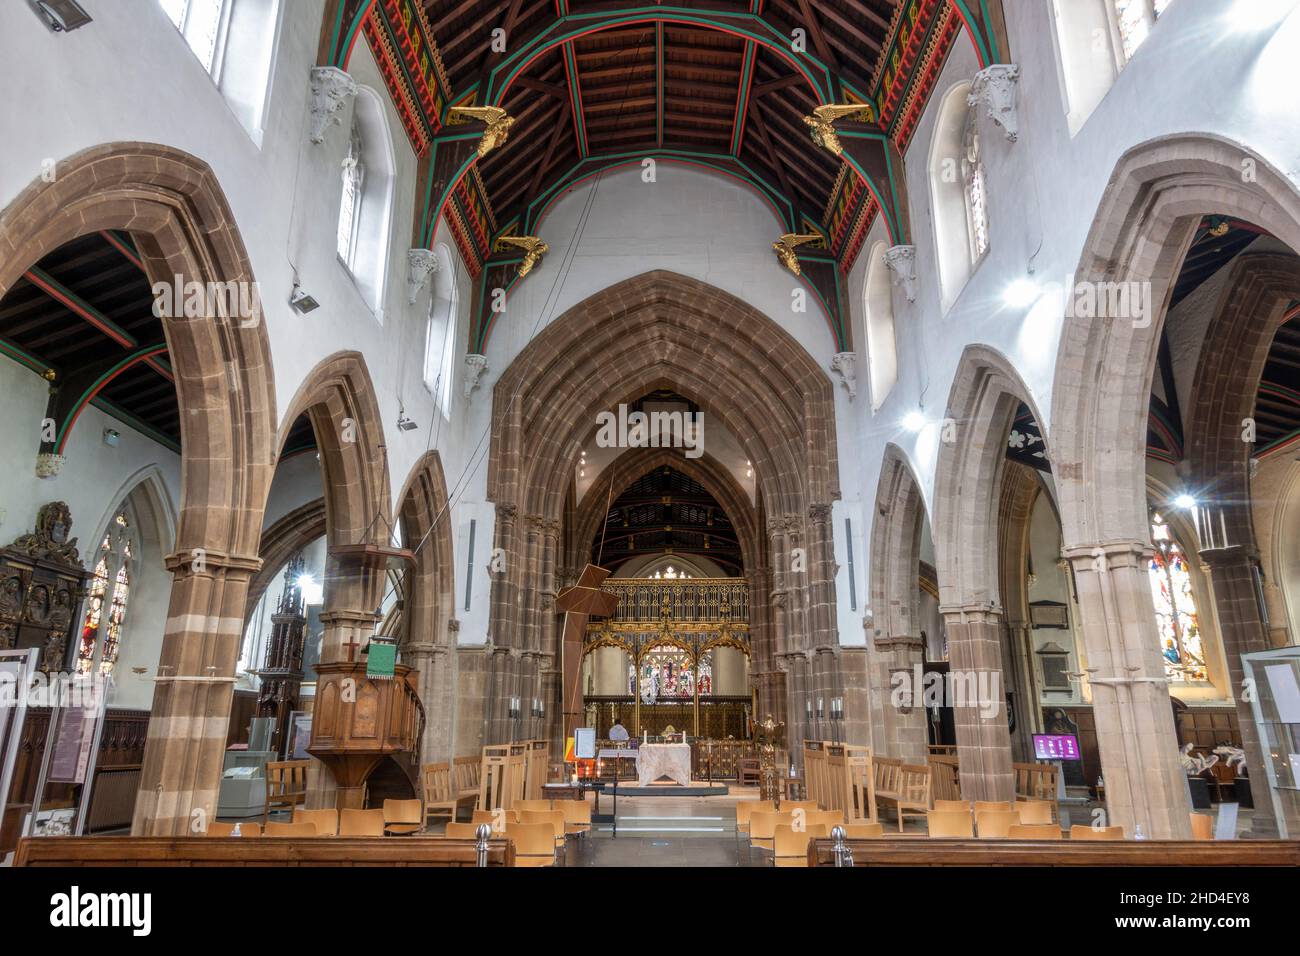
{"x":406,"y":423}
{"x":61,"y":15}
{"x":1185,"y":501}
{"x":1021,"y":293}
{"x":301,"y":301}
{"x":913,"y":421}
{"x":111,"y":437}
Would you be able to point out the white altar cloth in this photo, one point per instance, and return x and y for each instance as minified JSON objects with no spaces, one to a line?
{"x":664,"y":760}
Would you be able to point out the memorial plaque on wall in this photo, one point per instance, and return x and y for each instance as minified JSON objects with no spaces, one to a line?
{"x":42,"y":583}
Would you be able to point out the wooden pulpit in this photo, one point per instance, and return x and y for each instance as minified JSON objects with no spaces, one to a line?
{"x":579,"y":604}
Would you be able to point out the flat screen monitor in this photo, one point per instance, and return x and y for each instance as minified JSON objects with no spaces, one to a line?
{"x":1056,"y":747}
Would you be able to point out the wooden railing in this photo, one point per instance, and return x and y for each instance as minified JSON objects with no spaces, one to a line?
{"x":264,"y":851}
{"x":922,"y":851}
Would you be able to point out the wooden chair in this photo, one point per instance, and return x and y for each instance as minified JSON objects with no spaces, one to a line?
{"x":544,"y":805}
{"x":790,"y":846}
{"x":555,"y":818}
{"x":863,"y":831}
{"x":403,"y":817}
{"x":763,"y":824}
{"x":577,"y":815}
{"x":361,"y":823}
{"x":326,"y":821}
{"x":286,"y":785}
{"x":1081,"y":831}
{"x":811,"y":806}
{"x":250,"y":829}
{"x":995,"y":824}
{"x":216,"y":829}
{"x":1202,"y":826}
{"x":994,"y":806}
{"x":743,"y":810}
{"x":442,"y":798}
{"x":489,"y":817}
{"x":828,"y":818}
{"x":952,"y":806}
{"x":747,"y":772}
{"x":1036,"y":812}
{"x":295,"y":830}
{"x":947,"y":823}
{"x":461,"y":831}
{"x":534,"y":843}
{"x":1034,"y":831}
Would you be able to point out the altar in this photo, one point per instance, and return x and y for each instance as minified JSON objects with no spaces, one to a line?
{"x":664,"y":760}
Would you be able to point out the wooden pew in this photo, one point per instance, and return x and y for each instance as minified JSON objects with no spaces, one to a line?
{"x":910,"y":851}
{"x":267,"y":851}
{"x":903,"y":786}
{"x":468,"y":771}
{"x":442,"y":797}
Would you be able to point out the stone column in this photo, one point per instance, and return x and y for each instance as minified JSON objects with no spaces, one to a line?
{"x":903,"y":733}
{"x":437,"y":682}
{"x":977,"y":688}
{"x":855,"y":673}
{"x":186,"y":740}
{"x":1242,"y":628}
{"x":1130,"y":696}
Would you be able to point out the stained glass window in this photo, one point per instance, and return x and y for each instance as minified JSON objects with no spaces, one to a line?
{"x":94,"y":608}
{"x":1177,"y":620}
{"x":666,"y":673}
{"x":101,"y":634}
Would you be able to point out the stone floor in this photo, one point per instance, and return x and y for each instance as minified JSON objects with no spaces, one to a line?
{"x":668,"y":831}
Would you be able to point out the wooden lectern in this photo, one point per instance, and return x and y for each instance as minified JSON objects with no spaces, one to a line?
{"x":579,"y":603}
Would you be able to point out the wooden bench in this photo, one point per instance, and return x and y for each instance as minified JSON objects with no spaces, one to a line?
{"x":442,"y":797}
{"x":904,"y":786}
{"x":266,"y":851}
{"x":467,"y":773}
{"x":910,"y":851}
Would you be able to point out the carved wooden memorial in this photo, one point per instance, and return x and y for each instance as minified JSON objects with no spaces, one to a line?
{"x":42,"y":583}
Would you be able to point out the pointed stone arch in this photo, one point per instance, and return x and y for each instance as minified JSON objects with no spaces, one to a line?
{"x":664,"y":330}
{"x":894,"y":637}
{"x":982,"y":404}
{"x":1158,"y":193}
{"x":430,"y":629}
{"x":338,"y":398}
{"x":182,"y":225}
{"x":280,"y":541}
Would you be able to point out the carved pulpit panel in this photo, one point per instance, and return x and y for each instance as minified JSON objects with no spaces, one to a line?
{"x":42,"y":583}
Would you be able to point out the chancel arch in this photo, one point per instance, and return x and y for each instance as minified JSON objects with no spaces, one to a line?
{"x":636,"y":336}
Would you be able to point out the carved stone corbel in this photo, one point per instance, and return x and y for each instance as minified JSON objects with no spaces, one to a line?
{"x":420,"y":265}
{"x":331,"y":90}
{"x":475,"y":366}
{"x":901,"y":261}
{"x":995,"y":86}
{"x":845,"y":363}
